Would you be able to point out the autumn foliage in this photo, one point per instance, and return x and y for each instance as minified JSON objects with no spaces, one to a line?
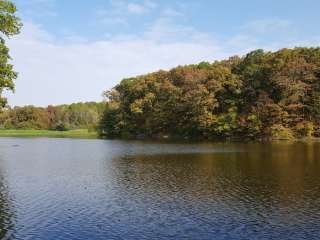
{"x":260,"y":95}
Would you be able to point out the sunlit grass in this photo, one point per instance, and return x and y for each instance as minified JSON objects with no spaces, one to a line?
{"x":79,"y":133}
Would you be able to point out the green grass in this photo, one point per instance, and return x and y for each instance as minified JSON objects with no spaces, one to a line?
{"x":79,"y":133}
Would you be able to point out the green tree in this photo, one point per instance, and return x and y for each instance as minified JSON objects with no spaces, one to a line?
{"x":9,"y":25}
{"x":61,"y":117}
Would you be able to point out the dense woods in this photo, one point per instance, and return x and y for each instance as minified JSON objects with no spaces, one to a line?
{"x":62,"y":117}
{"x":260,"y":95}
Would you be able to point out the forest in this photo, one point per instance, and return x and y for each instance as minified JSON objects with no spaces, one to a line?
{"x":262,"y":95}
{"x":60,"y":118}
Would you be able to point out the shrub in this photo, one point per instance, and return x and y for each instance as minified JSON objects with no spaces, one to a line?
{"x":304,"y":129}
{"x":279,"y":132}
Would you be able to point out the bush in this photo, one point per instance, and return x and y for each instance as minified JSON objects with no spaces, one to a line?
{"x":304,"y":129}
{"x":279,"y":132}
{"x":92,"y":127}
{"x":61,"y":127}
{"x":316,"y":132}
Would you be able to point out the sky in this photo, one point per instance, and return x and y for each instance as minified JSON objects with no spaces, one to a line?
{"x":73,"y":50}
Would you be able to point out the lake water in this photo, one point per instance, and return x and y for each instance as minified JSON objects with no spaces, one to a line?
{"x":94,"y":189}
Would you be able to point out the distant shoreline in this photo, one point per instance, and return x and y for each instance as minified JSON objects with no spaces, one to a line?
{"x":78,"y":133}
{"x":86,"y":134}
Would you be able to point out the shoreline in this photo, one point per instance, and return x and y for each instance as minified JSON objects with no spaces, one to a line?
{"x":86,"y":134}
{"x":78,"y":133}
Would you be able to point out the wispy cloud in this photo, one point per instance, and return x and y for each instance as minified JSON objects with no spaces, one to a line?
{"x":269,"y":34}
{"x":263,"y":26}
{"x":141,"y":8}
{"x":39,"y":8}
{"x":171,"y":12}
{"x":120,"y":11}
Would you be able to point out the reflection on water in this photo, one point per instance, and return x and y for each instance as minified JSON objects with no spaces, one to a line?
{"x":6,"y":211}
{"x":92,"y":189}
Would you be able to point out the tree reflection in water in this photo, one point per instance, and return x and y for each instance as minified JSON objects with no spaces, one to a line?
{"x":7,"y":217}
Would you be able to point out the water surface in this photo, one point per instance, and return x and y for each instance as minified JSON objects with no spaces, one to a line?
{"x":94,"y":189}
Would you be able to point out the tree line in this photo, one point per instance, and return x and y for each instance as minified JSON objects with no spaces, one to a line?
{"x":260,"y":95}
{"x":62,"y":117}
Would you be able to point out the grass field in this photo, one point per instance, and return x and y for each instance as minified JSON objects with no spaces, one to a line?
{"x":79,"y":133}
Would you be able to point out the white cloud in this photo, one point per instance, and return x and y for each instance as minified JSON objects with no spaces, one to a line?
{"x":55,"y":72}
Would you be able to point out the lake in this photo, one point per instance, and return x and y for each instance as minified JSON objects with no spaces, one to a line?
{"x":95,"y":189}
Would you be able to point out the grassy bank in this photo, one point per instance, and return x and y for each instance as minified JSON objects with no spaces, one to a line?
{"x":79,"y":133}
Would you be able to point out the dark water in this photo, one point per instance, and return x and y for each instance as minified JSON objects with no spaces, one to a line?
{"x":92,"y":189}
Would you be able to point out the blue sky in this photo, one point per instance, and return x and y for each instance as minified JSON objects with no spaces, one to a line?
{"x":72,"y":50}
